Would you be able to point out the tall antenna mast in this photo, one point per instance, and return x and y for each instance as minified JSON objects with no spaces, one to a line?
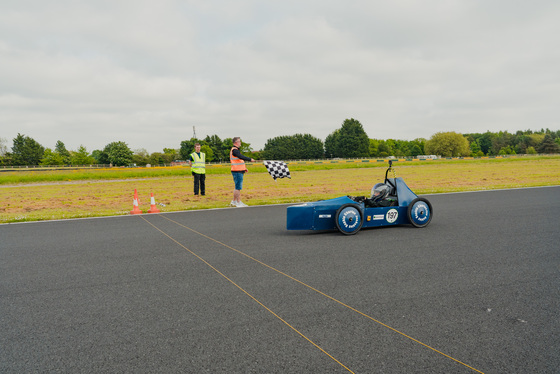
{"x":194,"y":132}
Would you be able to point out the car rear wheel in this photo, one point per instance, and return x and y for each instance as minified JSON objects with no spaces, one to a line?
{"x":420,"y":212}
{"x":349,"y":219}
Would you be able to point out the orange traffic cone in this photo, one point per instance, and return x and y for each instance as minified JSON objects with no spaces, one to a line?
{"x":153,"y":208}
{"x":135,"y":209}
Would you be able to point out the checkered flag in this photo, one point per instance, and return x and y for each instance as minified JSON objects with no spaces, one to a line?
{"x":277,"y":169}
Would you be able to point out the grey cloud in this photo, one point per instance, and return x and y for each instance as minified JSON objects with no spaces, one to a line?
{"x":90,"y":72}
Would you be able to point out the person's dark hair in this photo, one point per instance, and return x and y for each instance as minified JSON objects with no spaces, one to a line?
{"x":235,"y":139}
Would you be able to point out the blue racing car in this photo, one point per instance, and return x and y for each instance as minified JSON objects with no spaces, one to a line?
{"x":390,"y":203}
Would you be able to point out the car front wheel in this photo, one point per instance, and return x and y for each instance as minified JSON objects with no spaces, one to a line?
{"x":349,"y":219}
{"x":420,"y":212}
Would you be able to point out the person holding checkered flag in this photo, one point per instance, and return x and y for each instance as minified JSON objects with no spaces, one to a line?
{"x":238,"y":169}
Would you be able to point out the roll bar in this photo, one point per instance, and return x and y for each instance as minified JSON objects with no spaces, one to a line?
{"x":389,"y":182}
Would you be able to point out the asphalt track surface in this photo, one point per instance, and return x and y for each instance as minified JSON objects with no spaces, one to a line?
{"x":232,"y":291}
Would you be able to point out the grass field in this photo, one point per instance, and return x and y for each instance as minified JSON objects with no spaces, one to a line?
{"x":47,"y":195}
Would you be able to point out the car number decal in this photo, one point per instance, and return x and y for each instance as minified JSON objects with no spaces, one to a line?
{"x":392,"y":215}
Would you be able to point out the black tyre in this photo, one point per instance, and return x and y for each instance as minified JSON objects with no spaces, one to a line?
{"x":420,"y":212}
{"x":349,"y":219}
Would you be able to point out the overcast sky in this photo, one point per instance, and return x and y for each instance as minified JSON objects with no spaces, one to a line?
{"x":145,"y":72}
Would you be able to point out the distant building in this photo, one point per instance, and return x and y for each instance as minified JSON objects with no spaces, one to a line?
{"x":178,"y":163}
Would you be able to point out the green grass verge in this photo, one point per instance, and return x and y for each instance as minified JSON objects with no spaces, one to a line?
{"x":24,"y":176}
{"x":47,"y":195}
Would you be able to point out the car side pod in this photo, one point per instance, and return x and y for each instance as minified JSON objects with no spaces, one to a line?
{"x":300,"y":217}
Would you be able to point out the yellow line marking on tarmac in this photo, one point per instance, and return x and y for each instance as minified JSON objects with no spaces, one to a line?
{"x":324,"y":294}
{"x":247,"y":293}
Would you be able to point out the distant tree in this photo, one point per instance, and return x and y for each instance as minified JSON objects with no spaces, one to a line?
{"x":51,"y":158}
{"x":507,"y":150}
{"x":484,"y":141}
{"x":6,"y":159}
{"x":353,"y":140}
{"x":531,"y":151}
{"x":60,"y":148}
{"x":331,"y":143}
{"x":373,"y":147}
{"x":26,"y":151}
{"x":448,"y":144}
{"x":417,"y":147}
{"x":5,"y":156}
{"x":172,"y":153}
{"x":548,"y":145}
{"x":157,"y":158}
{"x":402,"y":148}
{"x":187,"y":147}
{"x":220,"y":148}
{"x":475,"y":148}
{"x":118,"y":153}
{"x":208,"y":151}
{"x":81,"y":157}
{"x":141,"y":157}
{"x":168,"y":157}
{"x":3,"y":147}
{"x":100,"y":156}
{"x":521,"y":142}
{"x":257,"y":155}
{"x":384,"y":149}
{"x":392,"y":146}
{"x":245,"y":147}
{"x":500,"y":141}
{"x":349,"y":141}
{"x":217,"y":146}
{"x":416,"y":150}
{"x":227,"y":144}
{"x":536,"y":140}
{"x":293,"y":147}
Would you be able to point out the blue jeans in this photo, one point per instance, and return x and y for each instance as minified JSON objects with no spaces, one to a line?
{"x":238,"y":179}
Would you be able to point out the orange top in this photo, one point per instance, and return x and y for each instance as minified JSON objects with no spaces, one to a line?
{"x":237,"y":164}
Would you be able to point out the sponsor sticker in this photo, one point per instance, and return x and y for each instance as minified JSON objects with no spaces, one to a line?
{"x":420,"y":212}
{"x":392,"y":215}
{"x":377,"y":217}
{"x":353,"y":217}
{"x":324,"y":216}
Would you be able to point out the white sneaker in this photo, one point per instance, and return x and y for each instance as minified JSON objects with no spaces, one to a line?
{"x":241,"y":204}
{"x":233,"y":203}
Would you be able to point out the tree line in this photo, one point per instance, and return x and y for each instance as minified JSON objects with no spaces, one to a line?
{"x":348,"y":141}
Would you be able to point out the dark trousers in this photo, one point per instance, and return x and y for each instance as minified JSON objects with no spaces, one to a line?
{"x":199,"y":181}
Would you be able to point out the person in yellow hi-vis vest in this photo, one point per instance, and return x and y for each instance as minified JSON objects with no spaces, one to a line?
{"x":197,"y":163}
